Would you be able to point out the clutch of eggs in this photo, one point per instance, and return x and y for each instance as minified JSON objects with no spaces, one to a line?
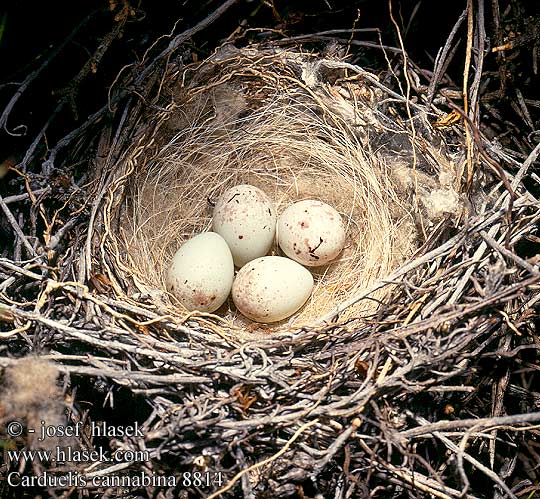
{"x":246,"y":218}
{"x":311,"y":232}
{"x":266,"y":288}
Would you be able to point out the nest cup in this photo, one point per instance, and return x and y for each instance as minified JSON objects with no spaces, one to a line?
{"x":282,"y":122}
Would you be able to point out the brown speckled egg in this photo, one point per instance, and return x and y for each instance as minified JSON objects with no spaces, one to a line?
{"x":311,"y":232}
{"x":201,"y":273}
{"x":271,"y":288}
{"x":246,"y":218}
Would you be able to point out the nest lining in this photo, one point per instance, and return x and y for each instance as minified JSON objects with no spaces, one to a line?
{"x":270,"y":122}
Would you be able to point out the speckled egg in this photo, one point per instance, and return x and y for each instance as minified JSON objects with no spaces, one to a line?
{"x":311,"y":232}
{"x":271,"y":288}
{"x":246,"y":218}
{"x":202,"y":273}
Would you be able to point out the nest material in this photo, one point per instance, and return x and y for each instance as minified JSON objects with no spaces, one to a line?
{"x":393,"y":401}
{"x":298,"y":129}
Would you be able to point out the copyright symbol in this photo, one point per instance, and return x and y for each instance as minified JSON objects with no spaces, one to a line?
{"x":14,"y":429}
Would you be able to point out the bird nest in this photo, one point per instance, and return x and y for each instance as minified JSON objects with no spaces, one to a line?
{"x":297,"y":127}
{"x":377,"y":384}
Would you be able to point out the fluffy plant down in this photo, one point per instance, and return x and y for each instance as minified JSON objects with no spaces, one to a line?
{"x":30,"y":395}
